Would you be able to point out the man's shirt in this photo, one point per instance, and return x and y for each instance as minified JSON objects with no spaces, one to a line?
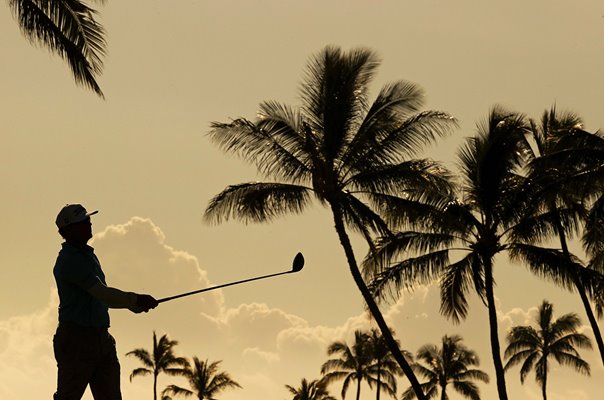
{"x":76,"y":271}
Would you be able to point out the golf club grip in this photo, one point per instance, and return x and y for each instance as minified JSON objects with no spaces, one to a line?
{"x":220,"y":286}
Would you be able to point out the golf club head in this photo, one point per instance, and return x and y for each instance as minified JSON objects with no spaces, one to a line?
{"x":298,"y":262}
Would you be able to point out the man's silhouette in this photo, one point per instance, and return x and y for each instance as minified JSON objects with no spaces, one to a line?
{"x":84,"y":349}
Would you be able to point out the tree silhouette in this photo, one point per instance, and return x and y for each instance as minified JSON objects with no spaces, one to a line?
{"x":313,"y":390}
{"x":384,"y":368}
{"x":558,"y":197}
{"x":448,"y":365}
{"x":475,"y":224}
{"x":354,"y":364}
{"x":205,"y":379}
{"x":160,"y":360}
{"x":69,"y":29}
{"x":552,"y":338}
{"x":338,"y":148}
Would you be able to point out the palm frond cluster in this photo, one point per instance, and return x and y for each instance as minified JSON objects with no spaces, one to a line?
{"x":523,"y":187}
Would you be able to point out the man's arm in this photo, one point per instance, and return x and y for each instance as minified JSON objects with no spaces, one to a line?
{"x":115,"y":298}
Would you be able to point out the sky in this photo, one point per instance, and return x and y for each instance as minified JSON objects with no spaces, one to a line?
{"x":142,"y":157}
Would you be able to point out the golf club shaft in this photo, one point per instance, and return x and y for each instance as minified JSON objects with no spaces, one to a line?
{"x":221,"y":286}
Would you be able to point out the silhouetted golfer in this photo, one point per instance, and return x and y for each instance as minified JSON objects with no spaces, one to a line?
{"x":84,"y":349}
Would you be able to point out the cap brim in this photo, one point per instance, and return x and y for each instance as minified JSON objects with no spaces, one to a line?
{"x":92,"y":213}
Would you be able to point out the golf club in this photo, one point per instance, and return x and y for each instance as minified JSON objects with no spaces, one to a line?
{"x":297,"y":265}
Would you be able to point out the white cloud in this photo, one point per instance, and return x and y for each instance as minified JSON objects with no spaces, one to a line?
{"x":26,"y":360}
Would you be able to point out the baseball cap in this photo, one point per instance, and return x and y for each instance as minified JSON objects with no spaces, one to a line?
{"x":72,"y":213}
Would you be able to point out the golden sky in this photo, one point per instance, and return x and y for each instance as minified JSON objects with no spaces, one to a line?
{"x":142,"y":158}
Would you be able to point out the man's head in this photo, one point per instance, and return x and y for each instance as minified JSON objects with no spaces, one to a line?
{"x":74,"y":223}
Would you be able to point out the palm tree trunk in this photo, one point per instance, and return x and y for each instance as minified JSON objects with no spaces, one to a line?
{"x":543,"y":387}
{"x":581,"y":289}
{"x":373,"y":308}
{"x":154,"y":386}
{"x":495,"y":348}
{"x":443,"y":392}
{"x":358,"y":388}
{"x":379,"y":382}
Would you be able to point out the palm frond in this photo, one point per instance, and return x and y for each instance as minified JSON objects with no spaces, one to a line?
{"x":574,"y":361}
{"x":394,"y":103}
{"x":416,"y":179}
{"x":593,"y":236}
{"x":139,"y":372}
{"x":362,"y":218}
{"x":256,"y":202}
{"x":408,"y":273}
{"x":467,"y":389}
{"x":551,"y":264}
{"x":487,"y":159}
{"x":273,"y":145}
{"x":334,"y":94}
{"x":176,"y":391}
{"x":69,"y":29}
{"x":543,"y":226}
{"x":143,"y":356}
{"x":399,"y":245}
{"x":474,"y":375}
{"x":454,"y":285}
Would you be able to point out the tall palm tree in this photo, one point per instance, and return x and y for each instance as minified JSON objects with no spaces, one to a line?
{"x":474,"y":227}
{"x":593,"y":242}
{"x":353,"y":365}
{"x":160,"y":360}
{"x":384,"y":367}
{"x":562,"y":153}
{"x":340,"y":149}
{"x":552,"y":338}
{"x":449,"y":364}
{"x":205,"y":379}
{"x":69,"y":29}
{"x":313,"y":390}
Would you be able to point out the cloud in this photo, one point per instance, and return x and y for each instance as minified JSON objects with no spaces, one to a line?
{"x":26,"y":360}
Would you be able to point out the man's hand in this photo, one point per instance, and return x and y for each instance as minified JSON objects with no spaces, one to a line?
{"x":145,"y":302}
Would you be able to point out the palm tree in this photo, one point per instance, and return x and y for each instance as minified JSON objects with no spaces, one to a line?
{"x":339,"y":149}
{"x":69,"y":29}
{"x":384,"y":367}
{"x":593,"y":242}
{"x":205,"y":379}
{"x":476,"y":225}
{"x":534,"y":347}
{"x":353,"y":365}
{"x":449,"y":364}
{"x":313,"y":390}
{"x":562,"y":154}
{"x":161,"y":360}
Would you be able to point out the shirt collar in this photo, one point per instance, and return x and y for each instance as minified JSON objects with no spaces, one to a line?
{"x":69,"y":247}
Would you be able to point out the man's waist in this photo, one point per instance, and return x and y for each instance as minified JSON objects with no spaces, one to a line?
{"x":70,"y":325}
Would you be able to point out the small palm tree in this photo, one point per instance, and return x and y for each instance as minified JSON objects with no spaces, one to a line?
{"x":384,"y":367}
{"x":535,"y":347}
{"x":353,"y":365}
{"x":449,"y":364}
{"x":69,"y":29}
{"x":160,"y":360}
{"x":349,"y":154}
{"x":313,"y":390}
{"x":205,"y":379}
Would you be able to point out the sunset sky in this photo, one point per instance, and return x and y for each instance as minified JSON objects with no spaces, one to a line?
{"x":143,"y":159}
